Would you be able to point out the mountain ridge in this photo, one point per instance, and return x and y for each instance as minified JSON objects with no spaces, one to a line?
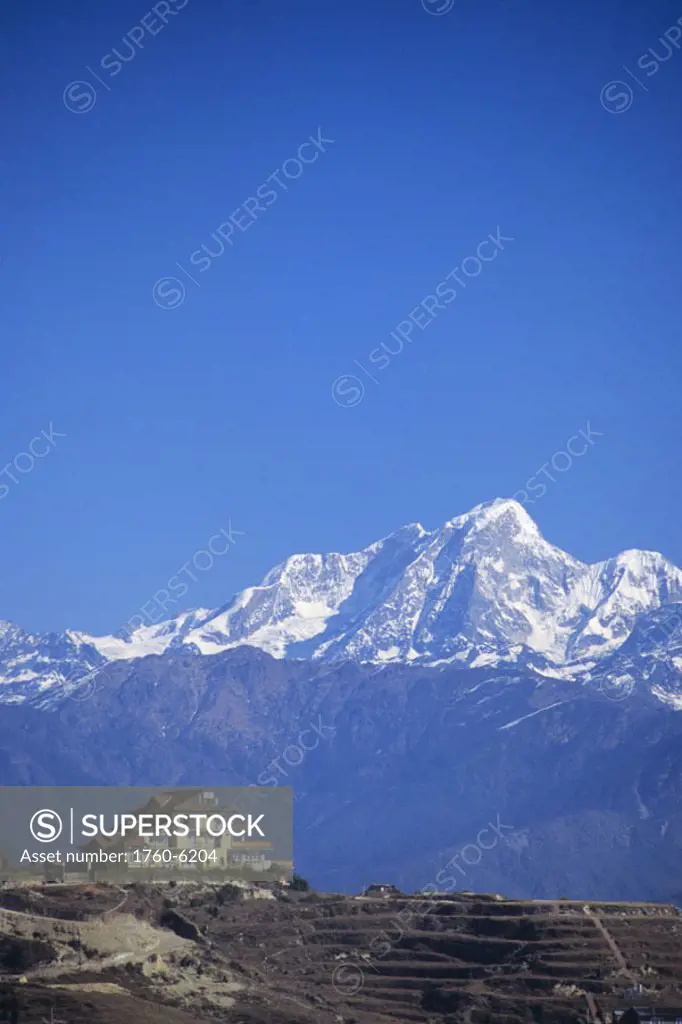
{"x":395,"y":767}
{"x":484,"y":589}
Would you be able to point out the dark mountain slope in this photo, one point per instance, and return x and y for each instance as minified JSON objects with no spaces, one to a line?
{"x":395,"y":769}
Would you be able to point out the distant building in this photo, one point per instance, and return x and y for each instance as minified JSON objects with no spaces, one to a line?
{"x":381,"y":889}
{"x":146,"y":854}
{"x":251,"y":854}
{"x":149,"y":856}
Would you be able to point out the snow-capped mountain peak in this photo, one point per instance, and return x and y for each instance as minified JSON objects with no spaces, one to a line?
{"x":485,"y":588}
{"x":501,"y":512}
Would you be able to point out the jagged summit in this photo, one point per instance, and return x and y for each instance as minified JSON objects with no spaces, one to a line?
{"x":489,"y":512}
{"x":484,"y":589}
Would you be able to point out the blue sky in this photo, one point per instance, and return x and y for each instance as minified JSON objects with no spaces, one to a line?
{"x":446,"y":128}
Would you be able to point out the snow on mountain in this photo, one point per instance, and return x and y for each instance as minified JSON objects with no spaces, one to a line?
{"x":486,"y":588}
{"x":145,"y":639}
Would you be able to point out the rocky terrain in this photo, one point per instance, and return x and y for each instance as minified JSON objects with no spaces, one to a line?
{"x":250,"y":956}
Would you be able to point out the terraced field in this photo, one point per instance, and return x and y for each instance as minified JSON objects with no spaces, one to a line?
{"x":470,"y":958}
{"x":257,"y":957}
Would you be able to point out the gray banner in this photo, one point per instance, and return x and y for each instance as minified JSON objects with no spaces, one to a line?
{"x":129,"y":833}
